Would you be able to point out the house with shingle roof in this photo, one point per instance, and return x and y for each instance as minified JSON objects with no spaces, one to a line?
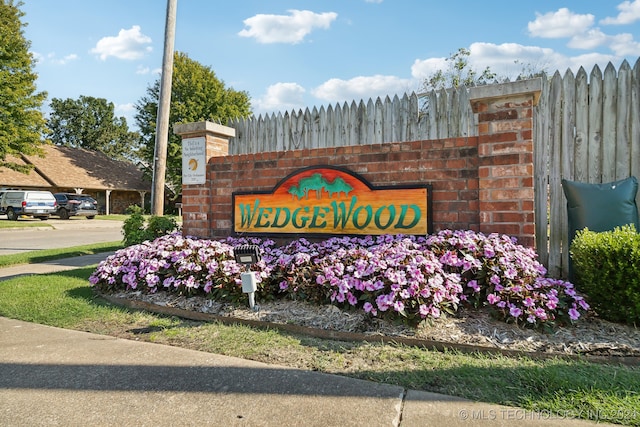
{"x":116,"y":185}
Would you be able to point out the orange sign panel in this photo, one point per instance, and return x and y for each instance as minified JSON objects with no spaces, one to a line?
{"x":327,"y":200}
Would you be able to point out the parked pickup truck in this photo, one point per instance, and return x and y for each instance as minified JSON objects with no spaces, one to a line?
{"x":16,"y":203}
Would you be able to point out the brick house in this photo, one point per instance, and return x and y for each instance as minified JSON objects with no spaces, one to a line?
{"x":116,"y":185}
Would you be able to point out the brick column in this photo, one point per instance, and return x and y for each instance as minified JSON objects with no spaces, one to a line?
{"x":197,"y":219}
{"x":505,"y":151}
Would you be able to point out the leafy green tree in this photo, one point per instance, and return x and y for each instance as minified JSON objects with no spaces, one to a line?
{"x":22,"y":125}
{"x":90,"y":123}
{"x":196,"y":95}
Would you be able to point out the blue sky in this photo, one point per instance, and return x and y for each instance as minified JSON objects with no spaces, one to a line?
{"x":296,"y":54}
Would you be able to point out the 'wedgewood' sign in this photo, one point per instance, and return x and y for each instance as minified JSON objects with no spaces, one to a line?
{"x":328,"y":200}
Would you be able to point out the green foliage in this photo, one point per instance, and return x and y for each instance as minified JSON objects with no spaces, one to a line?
{"x":133,"y":227}
{"x":459,"y":73}
{"x":22,"y":122}
{"x":196,"y":95}
{"x":160,"y":225}
{"x":607,"y":269}
{"x":136,"y":230}
{"x":90,"y":123}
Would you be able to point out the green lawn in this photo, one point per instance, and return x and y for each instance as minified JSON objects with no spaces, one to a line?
{"x":558,"y":386}
{"x":23,"y":223}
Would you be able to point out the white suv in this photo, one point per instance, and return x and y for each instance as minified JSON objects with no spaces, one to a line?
{"x":38,"y":204}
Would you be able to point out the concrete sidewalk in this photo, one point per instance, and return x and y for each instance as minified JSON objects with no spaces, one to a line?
{"x":58,"y":377}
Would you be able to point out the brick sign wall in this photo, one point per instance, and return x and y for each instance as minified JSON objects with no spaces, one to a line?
{"x":482,"y":183}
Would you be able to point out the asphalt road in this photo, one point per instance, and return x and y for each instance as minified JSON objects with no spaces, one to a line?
{"x":57,"y":233}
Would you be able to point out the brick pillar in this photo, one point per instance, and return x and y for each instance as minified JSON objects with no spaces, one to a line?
{"x":505,"y":151}
{"x":197,"y":218}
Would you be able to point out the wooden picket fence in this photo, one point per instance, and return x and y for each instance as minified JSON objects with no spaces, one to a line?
{"x":587,"y":128}
{"x":375,"y":122}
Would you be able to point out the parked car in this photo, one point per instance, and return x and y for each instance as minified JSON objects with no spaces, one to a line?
{"x":71,"y":204}
{"x":38,"y":204}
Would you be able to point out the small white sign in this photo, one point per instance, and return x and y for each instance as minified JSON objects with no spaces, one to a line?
{"x":194,"y":161}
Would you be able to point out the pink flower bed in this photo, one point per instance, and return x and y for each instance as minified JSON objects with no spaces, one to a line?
{"x":396,"y":277}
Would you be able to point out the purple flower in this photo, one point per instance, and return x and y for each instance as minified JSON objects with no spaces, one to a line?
{"x":489,"y":252}
{"x":435,"y":312}
{"x":398,"y":306}
{"x":473,"y":284}
{"x":424,"y":310}
{"x":369,"y":308}
{"x":352,"y":299}
{"x":574,"y":314}
{"x":540,"y":313}
{"x":493,"y":298}
{"x":403,"y":273}
{"x":515,"y":312}
{"x":583,"y":304}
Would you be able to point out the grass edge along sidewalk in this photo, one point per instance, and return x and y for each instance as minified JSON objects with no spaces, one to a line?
{"x":34,"y":257}
{"x":570,"y":388}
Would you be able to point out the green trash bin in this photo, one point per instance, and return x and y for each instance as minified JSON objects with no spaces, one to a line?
{"x":600,"y":207}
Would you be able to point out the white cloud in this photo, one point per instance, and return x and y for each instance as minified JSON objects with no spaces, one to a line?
{"x":286,"y":28}
{"x":629,"y":13}
{"x":588,"y":40}
{"x":52,"y":58}
{"x":511,"y":59}
{"x":423,"y":68}
{"x":281,"y":97}
{"x":125,"y":108}
{"x":362,"y":88}
{"x":624,"y":45}
{"x":501,"y":58}
{"x":373,"y":1}
{"x":582,"y":35}
{"x":65,"y":60}
{"x":587,"y":61}
{"x":562,"y":23}
{"x":143,"y":70}
{"x":128,"y":44}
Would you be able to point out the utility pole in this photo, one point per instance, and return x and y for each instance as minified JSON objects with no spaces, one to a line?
{"x":162,"y":123}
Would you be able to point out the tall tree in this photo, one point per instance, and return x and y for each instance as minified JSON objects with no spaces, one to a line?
{"x":22,"y":124}
{"x":196,"y":95}
{"x":90,"y":123}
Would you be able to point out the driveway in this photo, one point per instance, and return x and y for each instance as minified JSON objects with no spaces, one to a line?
{"x":57,"y":233}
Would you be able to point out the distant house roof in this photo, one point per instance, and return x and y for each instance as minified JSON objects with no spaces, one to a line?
{"x":66,"y":167}
{"x":10,"y":178}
